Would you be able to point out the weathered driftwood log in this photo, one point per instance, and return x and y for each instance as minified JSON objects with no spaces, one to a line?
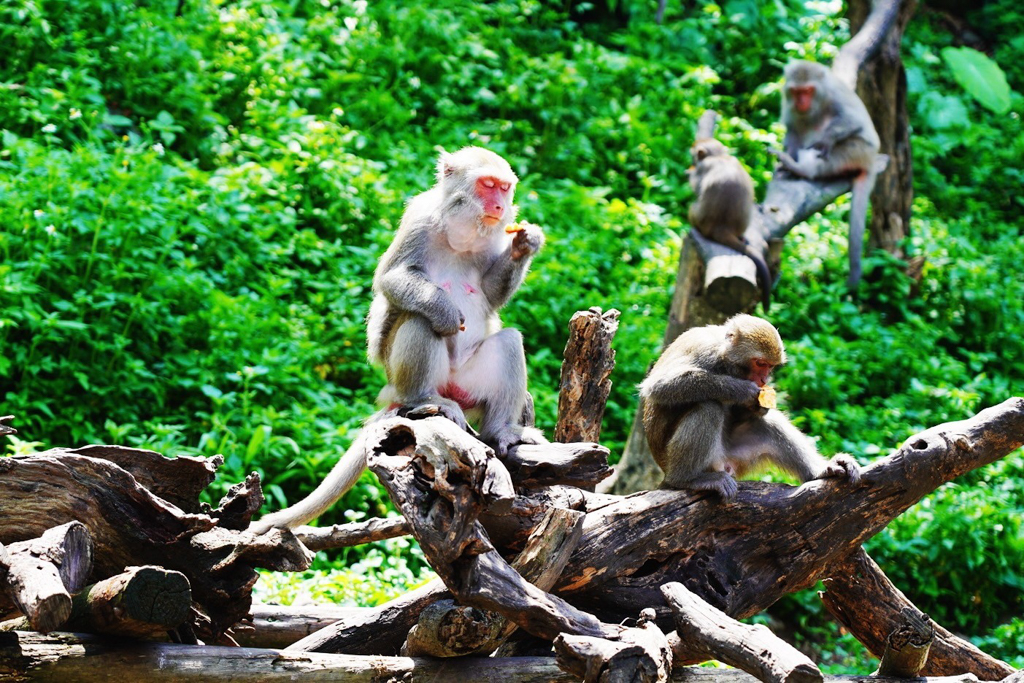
{"x":141,"y":602}
{"x":589,"y":361}
{"x":40,"y":574}
{"x":129,"y":525}
{"x":741,"y":556}
{"x":640,"y":655}
{"x":281,"y":625}
{"x":457,"y":630}
{"x":862,"y":598}
{"x":5,"y":428}
{"x":356,"y":533}
{"x":705,"y":632}
{"x":441,"y":479}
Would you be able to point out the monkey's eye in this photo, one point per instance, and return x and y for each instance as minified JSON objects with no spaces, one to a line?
{"x":505,"y":187}
{"x":762,"y":365}
{"x":487,"y":182}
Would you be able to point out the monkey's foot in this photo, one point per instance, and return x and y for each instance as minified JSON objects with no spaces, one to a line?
{"x":841,"y":465}
{"x":511,"y":435}
{"x":434,"y":405}
{"x":721,"y":483}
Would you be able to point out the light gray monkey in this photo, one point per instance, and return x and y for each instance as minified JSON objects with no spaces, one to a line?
{"x":829,"y":133}
{"x":433,"y":324}
{"x":703,"y":419}
{"x":725,"y":201}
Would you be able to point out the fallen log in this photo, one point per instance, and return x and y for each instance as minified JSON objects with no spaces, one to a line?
{"x":639,"y":654}
{"x":83,"y":658}
{"x":281,"y":625}
{"x":40,"y":574}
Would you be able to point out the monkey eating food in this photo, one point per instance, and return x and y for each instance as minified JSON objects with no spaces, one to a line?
{"x":725,"y":201}
{"x":433,"y":323}
{"x":829,"y":133}
{"x":708,"y":419}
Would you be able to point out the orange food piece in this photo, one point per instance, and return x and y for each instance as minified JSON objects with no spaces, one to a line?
{"x":766,"y":399}
{"x":513,"y":227}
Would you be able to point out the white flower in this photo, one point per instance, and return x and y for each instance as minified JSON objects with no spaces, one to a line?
{"x":50,"y":229}
{"x":74,"y":114}
{"x":38,"y":213}
{"x":316,"y":126}
{"x":159,"y":149}
{"x":338,"y":111}
{"x":49,"y":128}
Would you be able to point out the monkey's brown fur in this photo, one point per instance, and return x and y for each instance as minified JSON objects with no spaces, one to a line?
{"x":725,"y":200}
{"x":703,"y":422}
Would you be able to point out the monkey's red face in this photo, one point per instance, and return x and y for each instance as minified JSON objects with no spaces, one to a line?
{"x":760,"y":369}
{"x":495,"y":196}
{"x":803,"y":97}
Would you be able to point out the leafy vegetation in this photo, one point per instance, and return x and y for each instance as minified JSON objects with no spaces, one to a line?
{"x":195,"y":195}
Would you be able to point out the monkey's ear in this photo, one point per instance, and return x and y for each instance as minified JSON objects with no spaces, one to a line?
{"x":445,"y":166}
{"x":701,"y":154}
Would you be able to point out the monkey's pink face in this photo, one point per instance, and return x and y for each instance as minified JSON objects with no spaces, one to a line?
{"x":495,"y":196}
{"x":803,"y":97}
{"x":760,"y":369}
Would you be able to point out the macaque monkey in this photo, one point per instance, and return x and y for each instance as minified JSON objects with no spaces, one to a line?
{"x":829,"y":133}
{"x":706,"y":416}
{"x":725,"y":200}
{"x":455,"y":260}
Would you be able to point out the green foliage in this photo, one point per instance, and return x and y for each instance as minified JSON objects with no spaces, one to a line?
{"x":979,"y":76}
{"x":194,"y":205}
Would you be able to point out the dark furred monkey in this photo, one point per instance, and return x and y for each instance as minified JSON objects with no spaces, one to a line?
{"x":704,"y":423}
{"x":829,"y":133}
{"x":725,"y":200}
{"x":433,"y":323}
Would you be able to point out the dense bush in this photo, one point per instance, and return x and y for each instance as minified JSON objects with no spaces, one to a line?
{"x":195,"y":195}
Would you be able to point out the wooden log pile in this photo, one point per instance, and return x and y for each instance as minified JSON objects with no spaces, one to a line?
{"x":553,"y":581}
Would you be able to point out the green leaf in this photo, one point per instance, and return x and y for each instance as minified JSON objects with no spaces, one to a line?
{"x":943,"y":111}
{"x":979,"y":76}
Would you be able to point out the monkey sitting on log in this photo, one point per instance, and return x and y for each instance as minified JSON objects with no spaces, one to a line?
{"x":725,"y":201}
{"x":705,"y":423}
{"x":433,"y":324}
{"x":829,"y":133}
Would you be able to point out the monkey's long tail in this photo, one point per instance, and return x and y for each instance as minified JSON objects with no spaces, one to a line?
{"x":338,"y":481}
{"x":763,"y":274}
{"x":859,"y":200}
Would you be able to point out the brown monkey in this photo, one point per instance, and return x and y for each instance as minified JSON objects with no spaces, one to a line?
{"x":434,"y":322}
{"x":725,"y":201}
{"x":704,"y":423}
{"x":829,"y":133}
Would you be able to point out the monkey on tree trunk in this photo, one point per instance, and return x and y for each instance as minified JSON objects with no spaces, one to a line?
{"x":725,"y":201}
{"x":705,"y":423}
{"x":433,"y":324}
{"x":829,"y":133}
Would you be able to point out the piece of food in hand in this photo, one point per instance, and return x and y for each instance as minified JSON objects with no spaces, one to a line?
{"x":462,"y":327}
{"x":514,"y":227}
{"x":766,"y":399}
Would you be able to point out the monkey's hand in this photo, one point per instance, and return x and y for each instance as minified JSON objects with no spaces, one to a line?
{"x":447,"y":320}
{"x":721,"y":483}
{"x":841,"y":465}
{"x":788,"y":163}
{"x":527,"y":241}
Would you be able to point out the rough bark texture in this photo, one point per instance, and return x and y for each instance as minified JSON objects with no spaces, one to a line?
{"x":907,"y":647}
{"x":357,"y":533}
{"x":589,"y":360}
{"x":39,"y":575}
{"x":863,"y":599}
{"x":881,"y":82}
{"x":640,"y":655}
{"x":707,"y":633}
{"x":142,"y":602}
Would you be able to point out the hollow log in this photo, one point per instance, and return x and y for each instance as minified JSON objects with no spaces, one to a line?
{"x":40,"y":574}
{"x":589,"y":361}
{"x":707,"y":633}
{"x":907,"y":647}
{"x":861,"y":597}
